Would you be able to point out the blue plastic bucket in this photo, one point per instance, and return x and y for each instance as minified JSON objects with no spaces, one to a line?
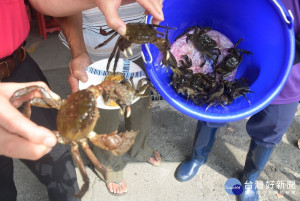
{"x":267,"y":30}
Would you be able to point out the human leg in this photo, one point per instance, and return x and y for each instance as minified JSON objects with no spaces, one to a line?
{"x":8,"y":191}
{"x":203,"y":143}
{"x":141,"y":120}
{"x":56,"y":169}
{"x":266,"y":129}
{"x":108,"y":122}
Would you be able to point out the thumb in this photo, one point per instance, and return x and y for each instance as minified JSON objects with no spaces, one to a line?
{"x":81,"y":75}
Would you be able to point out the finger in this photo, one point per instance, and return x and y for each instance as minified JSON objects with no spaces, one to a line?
{"x":15,"y":122}
{"x":80,"y":74}
{"x":17,"y":147}
{"x":110,"y":10}
{"x":154,"y":8}
{"x":73,"y":82}
{"x":77,"y":67}
{"x":154,"y":21}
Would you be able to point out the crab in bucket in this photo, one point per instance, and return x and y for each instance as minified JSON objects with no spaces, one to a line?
{"x":231,"y":61}
{"x":139,"y":33}
{"x":205,"y":88}
{"x":203,"y":43}
{"x":77,"y":117}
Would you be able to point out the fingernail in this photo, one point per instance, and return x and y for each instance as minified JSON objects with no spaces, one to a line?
{"x":50,"y":141}
{"x":122,"y":31}
{"x":161,"y":15}
{"x":84,"y":78}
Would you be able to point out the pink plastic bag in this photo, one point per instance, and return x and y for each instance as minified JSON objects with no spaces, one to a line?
{"x":180,"y":47}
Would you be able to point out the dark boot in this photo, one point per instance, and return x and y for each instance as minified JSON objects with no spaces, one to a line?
{"x":203,"y":142}
{"x":257,"y":158}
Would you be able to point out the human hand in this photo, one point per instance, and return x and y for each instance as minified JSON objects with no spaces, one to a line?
{"x":153,"y":8}
{"x":19,"y":136}
{"x":109,"y":9}
{"x":77,"y":72}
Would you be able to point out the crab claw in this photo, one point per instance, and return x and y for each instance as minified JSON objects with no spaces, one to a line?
{"x":128,"y":111}
{"x":118,"y":144}
{"x":128,"y":138}
{"x":130,"y":51}
{"x":105,"y":141}
{"x":125,"y":53}
{"x":168,"y":56}
{"x":122,"y":111}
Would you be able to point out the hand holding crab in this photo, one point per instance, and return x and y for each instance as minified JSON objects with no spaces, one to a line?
{"x":138,"y":33}
{"x":76,"y":119}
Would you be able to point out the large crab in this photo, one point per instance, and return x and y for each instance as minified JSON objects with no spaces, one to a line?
{"x":77,"y":117}
{"x":203,"y":43}
{"x":139,"y":33}
{"x":226,"y":92}
{"x":231,"y":61}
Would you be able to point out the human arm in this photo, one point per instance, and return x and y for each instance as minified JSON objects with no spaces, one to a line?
{"x":72,"y":30}
{"x":19,"y":136}
{"x":109,"y":8}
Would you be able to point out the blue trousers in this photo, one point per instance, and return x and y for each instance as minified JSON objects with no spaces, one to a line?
{"x":267,"y":126}
{"x":56,"y":169}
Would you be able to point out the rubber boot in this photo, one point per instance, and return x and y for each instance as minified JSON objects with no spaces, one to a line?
{"x":257,"y":158}
{"x":203,"y":142}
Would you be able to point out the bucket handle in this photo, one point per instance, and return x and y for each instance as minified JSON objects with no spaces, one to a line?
{"x":146,"y":46}
{"x":149,"y":53}
{"x":283,"y":13}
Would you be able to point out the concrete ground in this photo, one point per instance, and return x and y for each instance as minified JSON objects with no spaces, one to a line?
{"x":172,"y":135}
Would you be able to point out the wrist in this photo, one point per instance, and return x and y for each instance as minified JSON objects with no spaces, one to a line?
{"x":76,"y":54}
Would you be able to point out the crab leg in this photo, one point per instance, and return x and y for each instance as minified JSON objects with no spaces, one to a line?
{"x":112,"y":54}
{"x":166,"y":27}
{"x":116,"y":60}
{"x":99,"y":166}
{"x":27,"y":110}
{"x":107,"y":40}
{"x":142,"y":90}
{"x":80,"y":165}
{"x":106,"y":33}
{"x":46,"y":101}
